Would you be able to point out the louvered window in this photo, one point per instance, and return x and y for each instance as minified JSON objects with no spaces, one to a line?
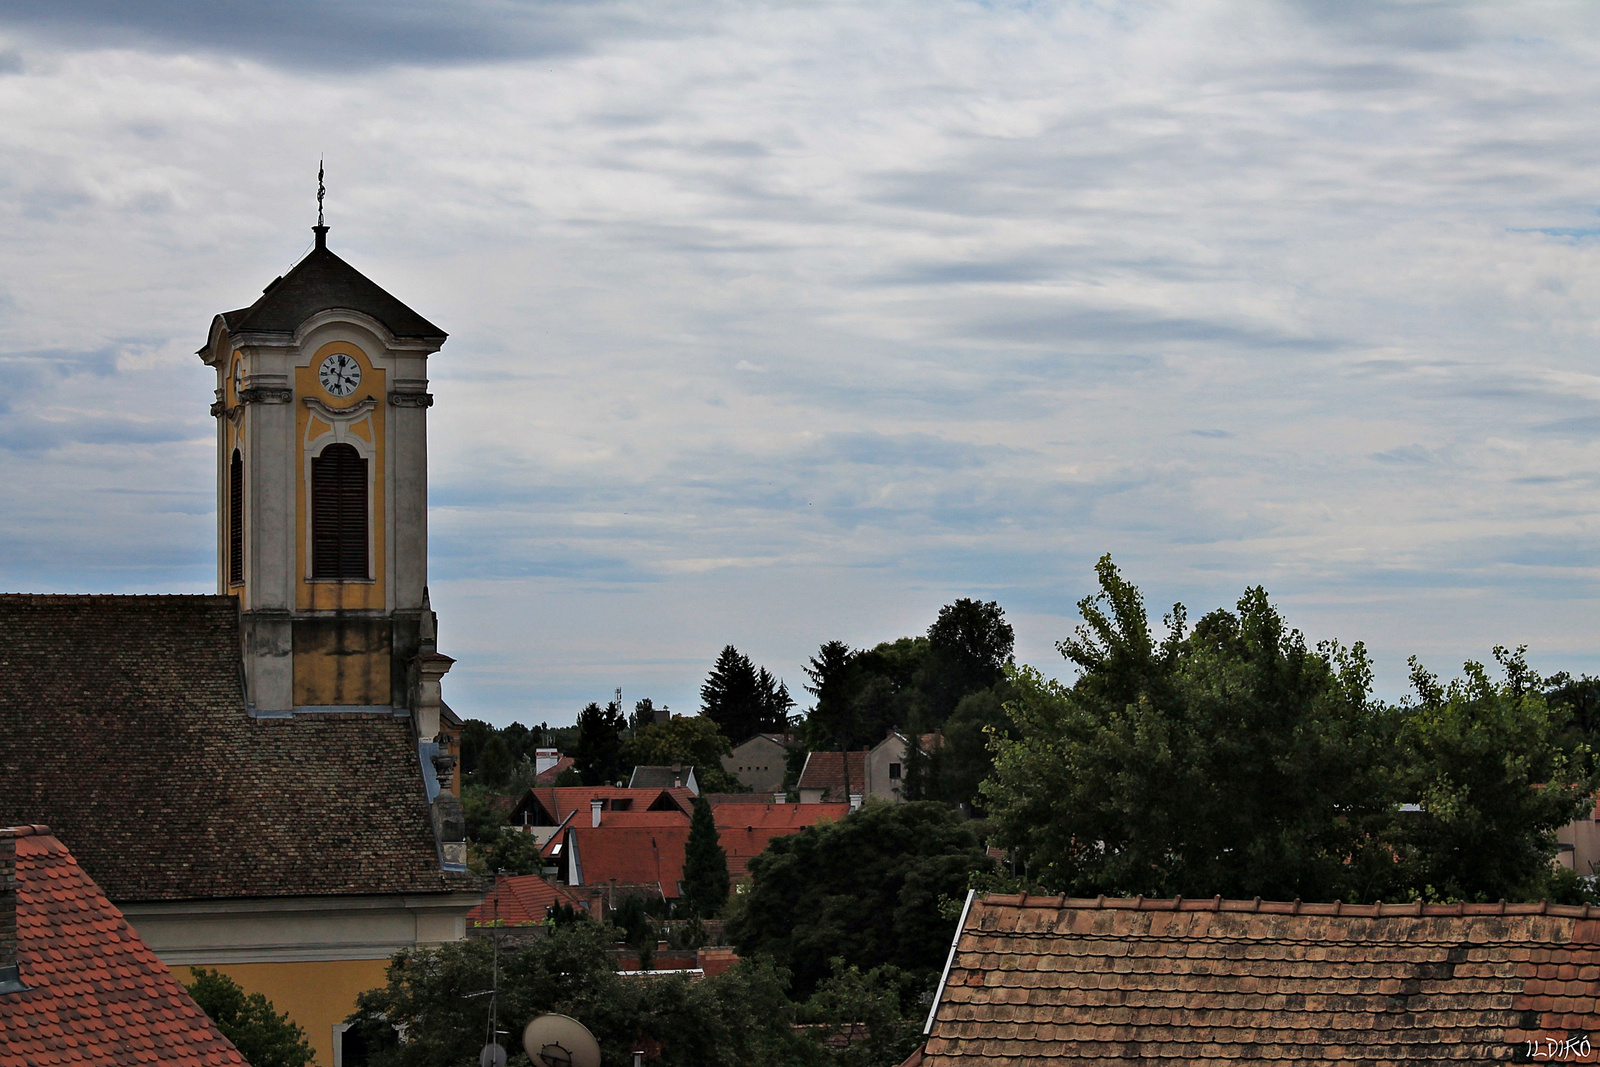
{"x":236,"y":519}
{"x":339,"y":514}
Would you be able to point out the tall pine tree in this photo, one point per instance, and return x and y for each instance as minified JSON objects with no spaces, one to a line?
{"x":705,"y":865}
{"x":599,"y":751}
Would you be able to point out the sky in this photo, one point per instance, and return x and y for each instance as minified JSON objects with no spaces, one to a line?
{"x":776,"y":323}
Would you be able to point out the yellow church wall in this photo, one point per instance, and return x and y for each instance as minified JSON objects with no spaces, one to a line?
{"x":316,"y":995}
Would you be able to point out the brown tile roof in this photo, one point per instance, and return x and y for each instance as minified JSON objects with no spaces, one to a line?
{"x":744,"y":830}
{"x":520,"y":900}
{"x":825,"y":770}
{"x":548,"y":805}
{"x":95,"y":993}
{"x":1116,"y":981}
{"x":122,"y":725}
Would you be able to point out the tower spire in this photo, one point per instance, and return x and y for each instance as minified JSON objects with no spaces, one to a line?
{"x":321,"y":228}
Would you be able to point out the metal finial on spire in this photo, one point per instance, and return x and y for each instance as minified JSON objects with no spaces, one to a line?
{"x":321,"y":228}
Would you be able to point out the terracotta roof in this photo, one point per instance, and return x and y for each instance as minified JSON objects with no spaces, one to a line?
{"x":95,"y":992}
{"x":549,"y":775}
{"x":1116,"y":981}
{"x":744,"y":829}
{"x":716,"y":799}
{"x":636,"y":854}
{"x":825,"y":770}
{"x":552,"y":804}
{"x":517,"y":900}
{"x":321,"y":281}
{"x":125,"y":729}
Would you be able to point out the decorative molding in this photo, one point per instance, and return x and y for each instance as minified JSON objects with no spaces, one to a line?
{"x":338,"y":415}
{"x":258,"y":394}
{"x":218,"y":409}
{"x":411,"y":400}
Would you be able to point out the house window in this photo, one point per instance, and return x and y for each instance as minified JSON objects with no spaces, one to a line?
{"x":236,"y":519}
{"x":339,"y":514}
{"x":894,"y":772}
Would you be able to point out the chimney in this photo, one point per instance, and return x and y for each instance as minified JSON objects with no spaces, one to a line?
{"x":544,"y":759}
{"x":10,"y":979}
{"x":855,"y":801}
{"x":780,"y":797}
{"x":595,"y":807}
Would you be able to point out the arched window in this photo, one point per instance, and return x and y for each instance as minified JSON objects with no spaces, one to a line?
{"x":339,"y":514}
{"x":236,"y":519}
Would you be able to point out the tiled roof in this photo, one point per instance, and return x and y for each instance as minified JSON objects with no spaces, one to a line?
{"x":634,"y":854}
{"x":557,"y":803}
{"x":320,"y":281}
{"x":122,"y":725}
{"x":743,"y":830}
{"x":517,"y":900}
{"x":646,"y":777}
{"x":825,"y":770}
{"x":95,"y":992}
{"x":717,"y":799}
{"x":1120,"y":981}
{"x":549,"y":775}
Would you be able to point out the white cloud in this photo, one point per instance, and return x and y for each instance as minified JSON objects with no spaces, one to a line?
{"x":1243,"y":292}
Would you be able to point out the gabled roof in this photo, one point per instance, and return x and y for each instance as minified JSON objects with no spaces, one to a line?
{"x":319,"y":282}
{"x":745,"y":829}
{"x":548,"y":776}
{"x":1036,"y":980}
{"x":95,"y":993}
{"x":521,"y":899}
{"x":548,"y":805}
{"x":630,"y":853}
{"x":825,"y":770}
{"x":647,"y":777}
{"x":124,"y":726}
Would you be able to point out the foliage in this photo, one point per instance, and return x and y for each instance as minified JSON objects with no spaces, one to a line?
{"x":263,"y":1037}
{"x":689,"y":740}
{"x":961,"y":763}
{"x":496,"y":764}
{"x":865,"y":888}
{"x":742,"y":700}
{"x":875,"y":1014}
{"x":737,"y":1018}
{"x":644,"y":713}
{"x":1484,"y":760}
{"x":484,"y":821}
{"x":969,"y":647}
{"x":705,"y":865}
{"x":508,"y":851}
{"x":598,"y":755}
{"x":1234,"y":759}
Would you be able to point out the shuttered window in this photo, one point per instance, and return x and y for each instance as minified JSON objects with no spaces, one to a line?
{"x":339,"y":514}
{"x":236,"y":519}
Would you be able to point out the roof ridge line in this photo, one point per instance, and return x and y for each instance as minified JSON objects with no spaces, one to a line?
{"x":1258,"y":906}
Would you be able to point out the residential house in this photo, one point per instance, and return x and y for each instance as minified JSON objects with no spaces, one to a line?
{"x":834,"y":777}
{"x":759,"y":762}
{"x":522,"y":900}
{"x":635,"y":851}
{"x":548,"y":765}
{"x":1040,"y":980}
{"x":263,"y":780}
{"x":77,"y":985}
{"x":676,"y":776}
{"x":1579,"y":843}
{"x":744,"y":830}
{"x":544,"y":808}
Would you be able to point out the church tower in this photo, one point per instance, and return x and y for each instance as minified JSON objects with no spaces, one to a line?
{"x":322,"y":493}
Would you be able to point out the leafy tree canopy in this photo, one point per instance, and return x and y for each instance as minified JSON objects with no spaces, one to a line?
{"x":687,"y":739}
{"x":249,"y":1020}
{"x":737,"y":1018}
{"x":598,"y":754}
{"x":1232,"y":758}
{"x":744,"y":700}
{"x":866,"y":889}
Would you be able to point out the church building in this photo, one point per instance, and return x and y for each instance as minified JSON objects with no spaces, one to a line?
{"x":262,"y":780}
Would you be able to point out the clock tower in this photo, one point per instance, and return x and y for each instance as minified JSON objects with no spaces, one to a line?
{"x":322,"y":493}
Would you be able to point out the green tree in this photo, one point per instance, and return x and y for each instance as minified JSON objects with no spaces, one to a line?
{"x":969,"y":648}
{"x":495,"y":764}
{"x":873,"y":1018}
{"x":1485,"y":761}
{"x":963,"y":761}
{"x":262,"y":1036}
{"x":1232,"y":760}
{"x":598,"y":755}
{"x":690,"y":740}
{"x":730,"y":1020}
{"x":475,"y":734}
{"x":742,"y":700}
{"x":705,"y":865}
{"x":507,"y":850}
{"x":867,"y":889}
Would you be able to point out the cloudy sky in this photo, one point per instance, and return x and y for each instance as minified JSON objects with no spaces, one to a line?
{"x":776,"y":323}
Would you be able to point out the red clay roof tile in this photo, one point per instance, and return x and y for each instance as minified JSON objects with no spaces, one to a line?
{"x":95,"y":992}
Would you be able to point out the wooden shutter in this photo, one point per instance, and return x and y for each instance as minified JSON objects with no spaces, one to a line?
{"x":236,"y":519}
{"x":339,"y":514}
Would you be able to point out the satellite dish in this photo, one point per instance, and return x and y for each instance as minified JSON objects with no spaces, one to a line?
{"x":560,"y":1041}
{"x":492,"y":1056}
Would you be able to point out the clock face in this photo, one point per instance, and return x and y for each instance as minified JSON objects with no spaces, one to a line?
{"x":340,"y":374}
{"x":238,"y":379}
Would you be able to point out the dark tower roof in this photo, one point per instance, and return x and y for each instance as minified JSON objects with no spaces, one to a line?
{"x":317,"y":283}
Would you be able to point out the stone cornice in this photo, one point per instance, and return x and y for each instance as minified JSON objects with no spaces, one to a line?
{"x":261,"y":394}
{"x":411,"y":400}
{"x":333,"y":414}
